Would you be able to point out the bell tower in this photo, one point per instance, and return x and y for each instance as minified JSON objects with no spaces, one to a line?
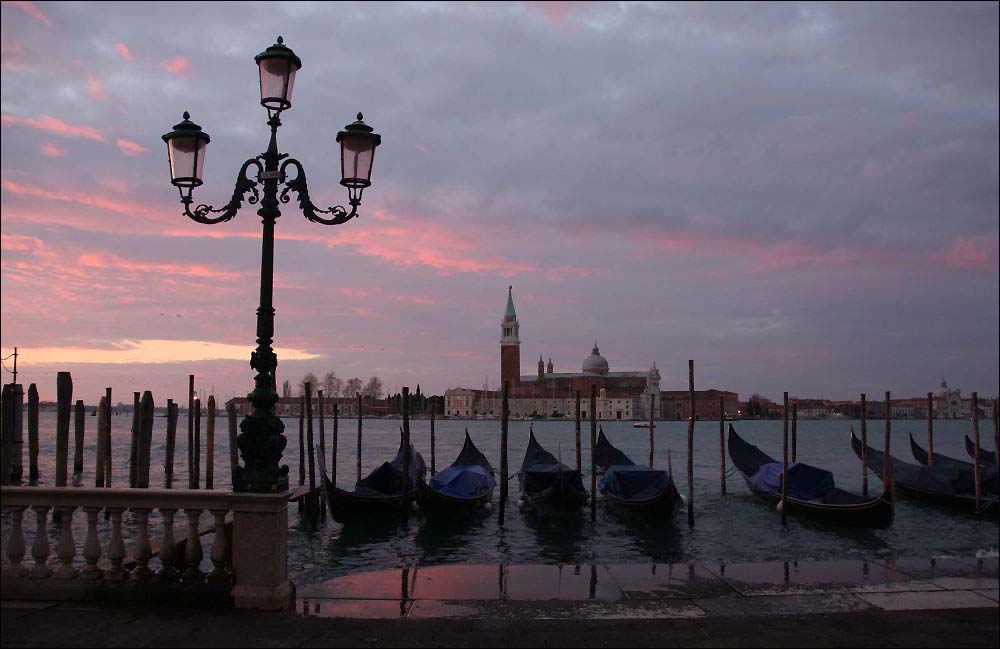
{"x":510,"y":344}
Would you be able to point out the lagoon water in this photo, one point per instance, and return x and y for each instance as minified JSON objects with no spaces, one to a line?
{"x":736,"y":527}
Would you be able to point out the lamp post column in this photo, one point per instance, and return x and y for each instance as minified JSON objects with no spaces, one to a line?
{"x":262,"y":441}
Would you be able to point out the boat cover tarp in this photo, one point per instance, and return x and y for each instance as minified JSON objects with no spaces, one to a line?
{"x":467,"y":481}
{"x":388,"y":478}
{"x":805,"y":482}
{"x":541,"y":470}
{"x":632,"y":481}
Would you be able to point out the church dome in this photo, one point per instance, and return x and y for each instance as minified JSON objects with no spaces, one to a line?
{"x":595,"y":363}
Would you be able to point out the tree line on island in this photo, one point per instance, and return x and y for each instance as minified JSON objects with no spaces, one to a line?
{"x":332,"y":385}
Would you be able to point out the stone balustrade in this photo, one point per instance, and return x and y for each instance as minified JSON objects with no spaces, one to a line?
{"x":253,"y":576}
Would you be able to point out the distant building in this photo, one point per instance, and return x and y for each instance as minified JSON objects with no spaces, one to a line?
{"x":346,"y":406}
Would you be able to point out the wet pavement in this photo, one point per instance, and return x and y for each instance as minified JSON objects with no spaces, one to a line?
{"x":656,"y":591}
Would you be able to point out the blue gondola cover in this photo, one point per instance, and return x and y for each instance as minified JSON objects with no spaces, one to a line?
{"x":633,"y":482}
{"x":805,"y":482}
{"x":466,"y":481}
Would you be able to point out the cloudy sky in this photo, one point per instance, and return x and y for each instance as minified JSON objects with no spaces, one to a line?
{"x":798,"y":197}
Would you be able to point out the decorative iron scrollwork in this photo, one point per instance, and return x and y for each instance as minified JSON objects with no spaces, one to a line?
{"x":299,"y":185}
{"x":227,"y":212}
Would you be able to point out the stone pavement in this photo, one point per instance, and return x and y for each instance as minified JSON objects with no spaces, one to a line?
{"x":908,"y":602}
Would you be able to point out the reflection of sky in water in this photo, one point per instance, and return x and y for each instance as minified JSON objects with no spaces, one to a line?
{"x":735,"y":528}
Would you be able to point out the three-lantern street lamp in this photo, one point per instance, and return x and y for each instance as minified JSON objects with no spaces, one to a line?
{"x":261,"y":440}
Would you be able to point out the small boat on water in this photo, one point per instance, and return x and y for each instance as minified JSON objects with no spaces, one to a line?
{"x":942,"y":483}
{"x":464,"y":487}
{"x":985,"y":457}
{"x":640,"y":424}
{"x":629,"y":487}
{"x":381,"y":492}
{"x":989,"y":477}
{"x":549,"y":487}
{"x":811,"y":490}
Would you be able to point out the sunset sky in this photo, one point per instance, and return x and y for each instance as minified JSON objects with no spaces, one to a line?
{"x":798,"y":197}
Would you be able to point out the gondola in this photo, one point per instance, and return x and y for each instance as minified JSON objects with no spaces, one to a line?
{"x":549,"y":487}
{"x":940,"y":483}
{"x":464,"y":487}
{"x":811,"y":490}
{"x":988,"y":476}
{"x":380,"y":493}
{"x":628,"y":487}
{"x":985,"y":457}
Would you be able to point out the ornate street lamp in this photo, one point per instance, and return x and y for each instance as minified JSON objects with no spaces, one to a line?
{"x":261,"y":440}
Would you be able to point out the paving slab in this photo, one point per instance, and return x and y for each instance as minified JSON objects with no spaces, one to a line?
{"x":561,"y":582}
{"x":823,"y":603}
{"x":777,"y":578}
{"x":483,"y":582}
{"x":363,"y":609}
{"x":381,"y":584}
{"x":928,"y":600}
{"x":658,"y":581}
{"x":993,"y":594}
{"x":950,"y":574}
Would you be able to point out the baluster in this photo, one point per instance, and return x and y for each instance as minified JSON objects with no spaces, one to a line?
{"x":66,"y":549}
{"x":193,"y":553}
{"x":167,"y":544}
{"x":116,"y":546}
{"x":219,"y":545}
{"x":15,"y":543}
{"x":40,"y":548}
{"x":91,"y":547}
{"x":142,"y":550}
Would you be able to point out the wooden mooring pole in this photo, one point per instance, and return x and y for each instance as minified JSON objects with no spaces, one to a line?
{"x":864,"y":446}
{"x":33,"y":435}
{"x":102,"y":423}
{"x":145,"y":441}
{"x":593,"y":457}
{"x":7,"y":433}
{"x":311,"y":502}
{"x":690,"y":457}
{"x":210,"y":444}
{"x":795,"y":430}
{"x":406,"y":447}
{"x":321,"y":406}
{"x":975,"y":461}
{"x":190,"y":432}
{"x":652,"y":403}
{"x":302,"y":439}
{"x":360,"y":417}
{"x":79,"y":424}
{"x":197,"y":443}
{"x":133,"y":444}
{"x":334,"y":443}
{"x":996,"y":435}
{"x":108,"y":464}
{"x":168,"y":457}
{"x":579,"y":458}
{"x":433,"y":445}
{"x":784,"y":464}
{"x":504,"y":414}
{"x":64,"y":399}
{"x":930,"y":429}
{"x":887,"y":461}
{"x":722,"y":445}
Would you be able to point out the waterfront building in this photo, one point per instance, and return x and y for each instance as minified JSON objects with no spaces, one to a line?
{"x":347,"y":406}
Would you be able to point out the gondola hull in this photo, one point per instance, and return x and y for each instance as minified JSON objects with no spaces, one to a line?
{"x":836,"y":507}
{"x":434,"y":502}
{"x":904,"y":484}
{"x":347,"y":505}
{"x":985,"y":457}
{"x":663,"y":504}
{"x":560,"y":499}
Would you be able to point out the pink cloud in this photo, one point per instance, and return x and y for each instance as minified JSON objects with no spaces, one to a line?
{"x":969,"y":252}
{"x":133,"y":209}
{"x":33,"y":11}
{"x":96,"y":90}
{"x":13,"y":54}
{"x":130,"y":148}
{"x":176,"y":66}
{"x":111,"y":261}
{"x":52,"y":150}
{"x":53,"y":125}
{"x":124,"y":51}
{"x":560,"y":273}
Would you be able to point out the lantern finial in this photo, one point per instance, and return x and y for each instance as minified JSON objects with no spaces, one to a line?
{"x":360,"y":117}
{"x":187,"y":115}
{"x":280,"y":40}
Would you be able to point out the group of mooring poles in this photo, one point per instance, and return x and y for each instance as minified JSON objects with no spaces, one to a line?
{"x":140,"y":440}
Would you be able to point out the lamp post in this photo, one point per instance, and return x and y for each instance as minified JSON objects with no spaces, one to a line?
{"x":261,"y":440}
